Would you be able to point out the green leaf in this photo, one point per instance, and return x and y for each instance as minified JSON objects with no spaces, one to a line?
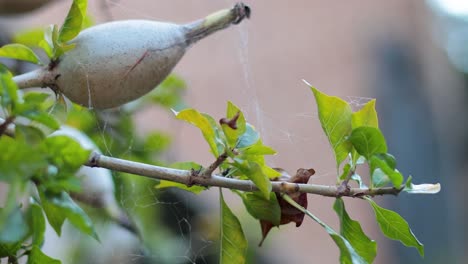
{"x":9,"y":249}
{"x":233,"y":133}
{"x":59,"y":207}
{"x":18,"y":160}
{"x":169,"y":93}
{"x":197,"y":119}
{"x":366,"y":116}
{"x":258,"y":149}
{"x":335,"y":117}
{"x":233,"y":245}
{"x":36,"y":256}
{"x":382,"y":165}
{"x":29,"y":37}
{"x":262,"y":209}
{"x":37,"y":224}
{"x":254,"y":172}
{"x":368,"y":141}
{"x":250,"y":137}
{"x":65,"y":153}
{"x":19,"y":52}
{"x":196,"y":189}
{"x":352,"y":231}
{"x":8,"y":89}
{"x":347,"y":253}
{"x":395,"y":227}
{"x":74,"y":21}
{"x":13,"y":228}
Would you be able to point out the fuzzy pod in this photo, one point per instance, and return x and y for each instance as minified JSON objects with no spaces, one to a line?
{"x":117,"y":62}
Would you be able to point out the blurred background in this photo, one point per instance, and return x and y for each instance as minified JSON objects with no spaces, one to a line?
{"x":410,"y":55}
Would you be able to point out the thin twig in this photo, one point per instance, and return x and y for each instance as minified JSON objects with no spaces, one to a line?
{"x":186,"y":177}
{"x":209,"y":171}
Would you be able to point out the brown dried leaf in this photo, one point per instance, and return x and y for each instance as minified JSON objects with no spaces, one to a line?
{"x":288,"y":212}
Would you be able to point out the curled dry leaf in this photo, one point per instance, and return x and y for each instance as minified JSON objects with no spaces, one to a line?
{"x":288,"y":212}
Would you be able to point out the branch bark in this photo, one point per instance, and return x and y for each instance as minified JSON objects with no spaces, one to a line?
{"x":186,"y":177}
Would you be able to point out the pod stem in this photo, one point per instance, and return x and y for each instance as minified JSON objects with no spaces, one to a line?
{"x":216,"y":21}
{"x":36,"y":78}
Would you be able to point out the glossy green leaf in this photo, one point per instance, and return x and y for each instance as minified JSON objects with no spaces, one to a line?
{"x":352,"y":231}
{"x":36,"y":256}
{"x":366,"y":116}
{"x":13,"y":228}
{"x":382,"y":166}
{"x":368,"y":141}
{"x":395,"y":227}
{"x":233,"y":245}
{"x":254,"y":172}
{"x":59,"y":207}
{"x":65,"y":153}
{"x":346,"y":170}
{"x":19,"y":52}
{"x":74,"y":21}
{"x":348,"y":254}
{"x":37,"y":224}
{"x":335,"y":118}
{"x":262,"y":209}
{"x":197,"y":119}
{"x":238,"y":128}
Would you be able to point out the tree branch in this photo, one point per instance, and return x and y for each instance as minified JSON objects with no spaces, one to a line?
{"x":186,"y":177}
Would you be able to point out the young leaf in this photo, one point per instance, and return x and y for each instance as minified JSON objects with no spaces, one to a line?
{"x":37,"y":224}
{"x":59,"y":207}
{"x":335,"y":117}
{"x":74,"y":21}
{"x":233,"y":243}
{"x":352,"y":231}
{"x":197,"y":119}
{"x":254,"y":172}
{"x":395,"y":227}
{"x":368,"y":141}
{"x":36,"y":256}
{"x":65,"y":153}
{"x":19,"y":52}
{"x":366,"y":116}
{"x":382,"y":166}
{"x":258,"y":149}
{"x":250,"y":137}
{"x":347,"y":253}
{"x":233,"y":125}
{"x":261,"y":208}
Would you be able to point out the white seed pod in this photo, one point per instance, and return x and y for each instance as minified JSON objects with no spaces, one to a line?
{"x":118,"y":62}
